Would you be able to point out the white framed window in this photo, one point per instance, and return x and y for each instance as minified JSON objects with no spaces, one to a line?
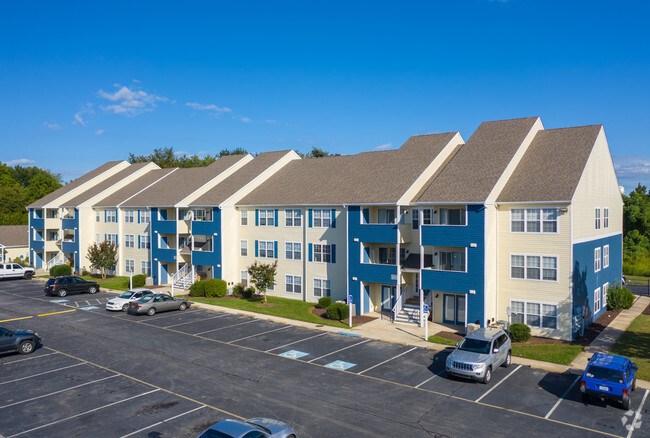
{"x":145,"y":216}
{"x":97,"y":239}
{"x":145,"y":267}
{"x":243,"y":277}
{"x":322,"y":253}
{"x":243,"y":248}
{"x":322,"y":287}
{"x":597,"y":218}
{"x":129,"y":241}
{"x":605,"y":290}
{"x":533,"y":267}
{"x":385,"y":215}
{"x":129,"y":265}
{"x":322,"y":218}
{"x":293,"y":284}
{"x":111,"y":216}
{"x":129,"y":216}
{"x":606,"y":217}
{"x":452,"y":216}
{"x":111,"y":238}
{"x":293,"y":217}
{"x":145,"y":243}
{"x":243,"y":217}
{"x":534,"y":314}
{"x":533,"y":220}
{"x":266,"y":249}
{"x":597,"y":300}
{"x":605,"y":256}
{"x":597,"y":259}
{"x":293,"y":250}
{"x":266,"y":218}
{"x":97,"y":215}
{"x":200,"y":214}
{"x":427,"y":216}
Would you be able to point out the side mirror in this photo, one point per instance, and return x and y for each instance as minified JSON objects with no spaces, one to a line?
{"x":496,"y":350}
{"x":456,"y":344}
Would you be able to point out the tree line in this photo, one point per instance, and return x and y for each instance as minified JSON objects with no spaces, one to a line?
{"x":19,"y":187}
{"x":636,"y":229}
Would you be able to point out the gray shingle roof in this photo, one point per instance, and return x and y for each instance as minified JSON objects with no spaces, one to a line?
{"x":14,"y":235}
{"x":551,"y":168}
{"x":73,"y":184}
{"x":369,"y":177}
{"x":475,"y":169}
{"x":134,"y":187}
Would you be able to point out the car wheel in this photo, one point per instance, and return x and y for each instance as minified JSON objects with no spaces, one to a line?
{"x":62,"y":292}
{"x":125,"y":308}
{"x":508,"y":361}
{"x":151,"y":312}
{"x":92,"y":289}
{"x":488,"y":375}
{"x":183,"y":306}
{"x":626,"y":403}
{"x":633,"y":387}
{"x":29,"y":275}
{"x":26,"y":347}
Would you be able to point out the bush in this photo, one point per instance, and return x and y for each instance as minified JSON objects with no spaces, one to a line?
{"x":619,"y":298}
{"x":337,"y":311}
{"x":198,"y":289}
{"x":324,"y":303}
{"x":249,"y":292}
{"x":85,"y":273}
{"x":215,"y":287}
{"x":139,"y":280}
{"x":59,"y":270}
{"x":519,"y":332}
{"x":238,"y":291}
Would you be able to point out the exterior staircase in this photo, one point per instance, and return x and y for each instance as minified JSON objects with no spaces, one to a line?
{"x":184,"y":282}
{"x":183,"y":278}
{"x":408,"y":314}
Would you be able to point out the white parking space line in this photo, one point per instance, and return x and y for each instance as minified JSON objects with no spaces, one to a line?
{"x":495,"y":386}
{"x":345,"y":348}
{"x":58,"y":392}
{"x":163,"y":421}
{"x":295,"y":342}
{"x":40,"y":374}
{"x":227,"y":327}
{"x":259,"y":334}
{"x":158,"y":316}
{"x":637,"y":415}
{"x":387,"y":360}
{"x":557,"y":403}
{"x":28,"y":358}
{"x":82,"y":413}
{"x":198,"y":320}
{"x":430,"y":378}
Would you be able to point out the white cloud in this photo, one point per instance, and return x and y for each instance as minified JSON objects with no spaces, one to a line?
{"x":245,"y":119}
{"x":52,"y":126}
{"x":178,"y":153}
{"x":632,"y":169}
{"x":212,"y":108}
{"x":130,"y":102}
{"x":81,"y":114}
{"x":384,"y":146}
{"x":271,"y":121}
{"x":99,"y":132}
{"x":19,"y":161}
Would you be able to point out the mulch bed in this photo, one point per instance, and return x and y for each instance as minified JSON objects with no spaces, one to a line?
{"x":647,"y":310}
{"x":590,"y":333}
{"x":356,"y":319}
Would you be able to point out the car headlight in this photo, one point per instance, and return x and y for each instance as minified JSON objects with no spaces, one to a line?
{"x":448,"y":361}
{"x":478,"y":366}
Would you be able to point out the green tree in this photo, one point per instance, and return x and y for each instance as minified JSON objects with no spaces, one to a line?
{"x":166,"y":157}
{"x":318,"y":153}
{"x":235,"y":151}
{"x":102,"y":256}
{"x":263,"y":276}
{"x":636,"y":231}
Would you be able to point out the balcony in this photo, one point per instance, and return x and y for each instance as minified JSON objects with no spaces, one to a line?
{"x":376,"y":273}
{"x":204,"y":228}
{"x":165,"y":255}
{"x":166,"y":227}
{"x":376,"y":233}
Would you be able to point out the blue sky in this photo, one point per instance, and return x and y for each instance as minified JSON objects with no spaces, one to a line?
{"x":82,"y":83}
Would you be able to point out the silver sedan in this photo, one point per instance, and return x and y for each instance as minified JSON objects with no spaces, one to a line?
{"x":151,"y":304}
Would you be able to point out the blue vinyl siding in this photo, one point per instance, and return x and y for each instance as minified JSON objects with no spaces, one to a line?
{"x":209,"y":228}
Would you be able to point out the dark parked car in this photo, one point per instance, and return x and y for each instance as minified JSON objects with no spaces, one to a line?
{"x":151,"y":304}
{"x":70,"y":284}
{"x":610,"y":377}
{"x":22,"y":341}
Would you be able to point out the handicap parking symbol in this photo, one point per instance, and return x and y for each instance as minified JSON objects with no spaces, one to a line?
{"x":340,"y":365}
{"x":89,"y":308}
{"x":293,"y":354}
{"x":59,"y":301}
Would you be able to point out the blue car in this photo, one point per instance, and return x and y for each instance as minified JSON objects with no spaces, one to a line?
{"x":609,"y":377}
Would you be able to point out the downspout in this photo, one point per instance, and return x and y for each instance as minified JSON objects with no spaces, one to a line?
{"x":397,"y":256}
{"x":421,"y":291}
{"x":347,"y":263}
{"x":120,"y":236}
{"x":496,"y":306}
{"x":305,"y":255}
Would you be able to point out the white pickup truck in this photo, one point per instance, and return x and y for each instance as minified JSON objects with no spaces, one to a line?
{"x":14,"y":270}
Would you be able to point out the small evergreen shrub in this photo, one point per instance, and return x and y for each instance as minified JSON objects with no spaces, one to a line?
{"x":215,"y":287}
{"x":248,"y":293}
{"x":59,"y":270}
{"x":139,"y":280}
{"x":85,"y":273}
{"x":519,"y":332}
{"x":337,"y":311}
{"x":198,"y":289}
{"x":238,"y":290}
{"x":324,"y":303}
{"x":619,"y":297}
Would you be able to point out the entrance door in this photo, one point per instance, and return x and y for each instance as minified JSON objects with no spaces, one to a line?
{"x":388,"y":297}
{"x":163,"y":273}
{"x":454,"y":309}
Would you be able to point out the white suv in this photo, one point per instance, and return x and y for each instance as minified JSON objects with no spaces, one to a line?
{"x":479,"y":353}
{"x":14,"y":270}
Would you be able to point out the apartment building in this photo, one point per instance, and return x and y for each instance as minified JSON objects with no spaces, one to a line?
{"x":518,"y":223}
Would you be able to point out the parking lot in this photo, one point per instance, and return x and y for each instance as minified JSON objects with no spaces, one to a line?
{"x":176,"y":373}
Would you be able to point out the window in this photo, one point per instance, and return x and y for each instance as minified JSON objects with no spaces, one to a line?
{"x":386,"y":216}
{"x":322,"y":218}
{"x":596,"y":259}
{"x":534,"y":314}
{"x":322,"y":253}
{"x":426,"y":216}
{"x":129,"y":265}
{"x":533,"y":267}
{"x":293,"y":284}
{"x":111,"y":216}
{"x":451,"y":216}
{"x":596,"y":300}
{"x":387,"y":256}
{"x":97,"y":216}
{"x":605,"y":256}
{"x":243,"y":217}
{"x":201,"y":214}
{"x":267,"y":218}
{"x":97,"y":241}
{"x":322,"y":287}
{"x":293,"y":217}
{"x":266,"y":248}
{"x":111,"y":238}
{"x":128,"y":216}
{"x":606,"y":217}
{"x":243,"y":248}
{"x":145,"y":267}
{"x":243,"y":277}
{"x":293,"y":250}
{"x":129,"y":241}
{"x":415,"y":219}
{"x":144,"y":241}
{"x":145,"y":216}
{"x":451,"y":260}
{"x":184,"y":214}
{"x":605,"y":290}
{"x":533,"y":220}
{"x":597,"y":218}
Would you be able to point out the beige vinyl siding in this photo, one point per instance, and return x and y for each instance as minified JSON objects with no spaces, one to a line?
{"x":490,"y":259}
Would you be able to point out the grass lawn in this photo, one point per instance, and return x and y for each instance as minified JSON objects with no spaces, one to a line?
{"x":637,"y":279}
{"x":635,"y":344}
{"x":439,"y":340}
{"x":283,"y":307}
{"x":117,"y":283}
{"x":561,"y":354}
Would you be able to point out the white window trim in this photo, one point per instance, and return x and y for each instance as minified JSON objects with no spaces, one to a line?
{"x":243,"y":277}
{"x":313,"y":253}
{"x":541,"y":309}
{"x":145,"y":242}
{"x":597,"y":299}
{"x":541,"y":267}
{"x":605,"y":290}
{"x":597,"y":218}
{"x":266,"y":218}
{"x":598,"y":259}
{"x":243,"y":244}
{"x":111,"y":214}
{"x":126,"y":240}
{"x":145,"y":216}
{"x":293,"y":217}
{"x":605,"y":256}
{"x":449,"y":208}
{"x":129,"y":216}
{"x":605,"y":217}
{"x":324,"y":212}
{"x":293,"y":284}
{"x":243,"y":215}
{"x":444,"y":249}
{"x":145,"y":267}
{"x":541,"y":220}
{"x":259,"y":249}
{"x":128,"y":262}
{"x":313,"y":290}
{"x":292,"y":251}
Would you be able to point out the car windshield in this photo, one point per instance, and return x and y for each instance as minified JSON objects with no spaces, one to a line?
{"x":145,"y":299}
{"x":475,"y":346}
{"x":601,"y":373}
{"x":50,"y":282}
{"x":127,"y":294}
{"x":211,"y":433}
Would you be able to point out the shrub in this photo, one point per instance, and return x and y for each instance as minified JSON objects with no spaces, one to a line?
{"x":85,"y":273}
{"x":337,"y":311}
{"x":248,"y":293}
{"x":139,"y":280}
{"x":198,"y":289}
{"x":324,"y":303}
{"x":59,"y":270}
{"x":238,"y":290}
{"x":215,"y":287}
{"x":519,"y":332}
{"x":619,"y":298}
